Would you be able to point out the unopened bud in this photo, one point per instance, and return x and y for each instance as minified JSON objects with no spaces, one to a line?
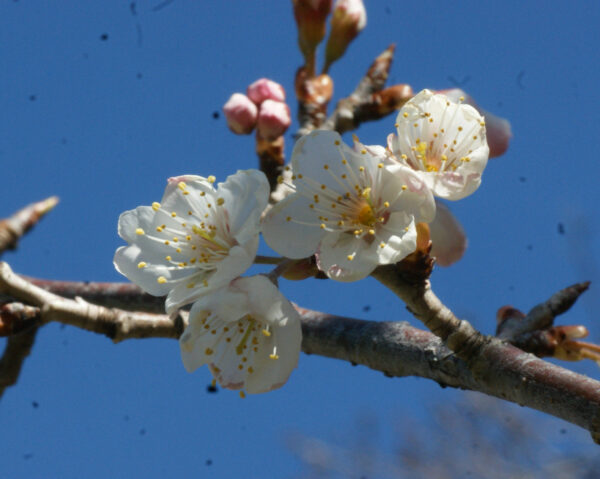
{"x":273,"y":119}
{"x":392,"y":98}
{"x":310,"y":17}
{"x":498,"y":132}
{"x":448,"y":237}
{"x":241,"y":114}
{"x":348,"y":19}
{"x":265,"y":89}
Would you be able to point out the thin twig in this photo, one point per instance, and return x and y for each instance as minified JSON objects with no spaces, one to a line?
{"x":13,"y":228}
{"x":16,"y":351}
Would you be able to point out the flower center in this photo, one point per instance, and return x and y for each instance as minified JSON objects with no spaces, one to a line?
{"x":366,"y":215}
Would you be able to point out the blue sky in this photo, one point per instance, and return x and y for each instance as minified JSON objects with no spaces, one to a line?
{"x":101,"y":102}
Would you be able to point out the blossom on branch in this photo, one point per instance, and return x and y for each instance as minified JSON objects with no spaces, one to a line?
{"x":444,"y":142}
{"x":349,"y":18}
{"x":247,"y":333}
{"x":349,"y":208}
{"x":197,"y":239}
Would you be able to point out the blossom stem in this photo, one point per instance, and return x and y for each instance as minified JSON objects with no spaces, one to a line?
{"x":281,"y":268}
{"x":268,"y":259}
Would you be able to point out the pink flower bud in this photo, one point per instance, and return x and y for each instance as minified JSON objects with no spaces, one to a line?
{"x":349,"y":18}
{"x":265,"y":89}
{"x":273,"y":119}
{"x":310,"y":17}
{"x":498,"y":130}
{"x":447,"y":236}
{"x":240,"y":113}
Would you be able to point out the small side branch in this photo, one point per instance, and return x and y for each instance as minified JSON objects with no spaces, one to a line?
{"x":13,"y":228}
{"x":369,"y":101}
{"x":18,"y":347}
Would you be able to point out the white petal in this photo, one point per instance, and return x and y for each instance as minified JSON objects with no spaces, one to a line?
{"x":245,"y":196}
{"x":298,"y":237}
{"x":234,"y":264}
{"x":334,"y":252}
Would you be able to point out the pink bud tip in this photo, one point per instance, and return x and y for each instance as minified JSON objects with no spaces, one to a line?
{"x":497,"y":129}
{"x":241,"y":114}
{"x":273,"y":119}
{"x":265,"y":89}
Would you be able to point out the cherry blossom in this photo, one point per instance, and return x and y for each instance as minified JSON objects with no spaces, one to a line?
{"x":349,"y":208}
{"x":445,"y":142}
{"x":197,"y":239}
{"x":247,"y":333}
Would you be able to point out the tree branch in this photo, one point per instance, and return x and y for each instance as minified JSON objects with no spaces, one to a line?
{"x":394,"y":348}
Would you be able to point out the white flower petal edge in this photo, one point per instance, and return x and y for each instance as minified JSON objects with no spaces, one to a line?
{"x":444,"y":141}
{"x":197,"y":239}
{"x":351,"y":209}
{"x":248,"y":333}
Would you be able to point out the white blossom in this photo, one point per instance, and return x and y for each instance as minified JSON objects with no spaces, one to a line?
{"x":197,"y":239}
{"x":349,"y":209}
{"x":247,"y":333}
{"x":444,"y":141}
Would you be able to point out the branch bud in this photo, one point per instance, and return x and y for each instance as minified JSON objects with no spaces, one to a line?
{"x":348,"y":19}
{"x":241,"y":114}
{"x":273,"y":119}
{"x":310,"y":17}
{"x":265,"y":89}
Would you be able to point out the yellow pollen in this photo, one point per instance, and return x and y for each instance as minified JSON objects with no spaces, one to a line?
{"x":361,"y":168}
{"x":350,"y":257}
{"x":213,"y":383}
{"x":289,"y":218}
{"x":211,"y":179}
{"x":168,"y":258}
{"x":344,"y":162}
{"x":382,"y":245}
{"x":139,"y":231}
{"x":205,"y":283}
{"x":167,"y":242}
{"x":266,"y":332}
{"x":363,"y":151}
{"x":300,"y":176}
{"x":155,"y":206}
{"x":372,"y":232}
{"x":173,"y":214}
{"x":178,"y":250}
{"x":273,"y":356}
{"x":405,"y":115}
{"x":386,"y":204}
{"x":220,"y":201}
{"x":159,"y":229}
{"x":142,"y":264}
{"x":190,"y":213}
{"x":403,"y":156}
{"x":444,"y":158}
{"x":191,"y":285}
{"x":161,"y":280}
{"x":250,"y":370}
{"x":380,"y":165}
{"x":202,"y":193}
{"x":242,"y":394}
{"x":181,"y":185}
{"x":322,"y":226}
{"x":208,"y":351}
{"x":325,"y":167}
{"x":462,"y":98}
{"x":404,"y":187}
{"x":337,"y":142}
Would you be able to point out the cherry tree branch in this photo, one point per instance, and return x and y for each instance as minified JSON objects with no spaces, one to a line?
{"x":394,"y":348}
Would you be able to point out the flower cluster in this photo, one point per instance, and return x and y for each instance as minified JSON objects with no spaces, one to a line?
{"x":191,"y":247}
{"x":353,"y":208}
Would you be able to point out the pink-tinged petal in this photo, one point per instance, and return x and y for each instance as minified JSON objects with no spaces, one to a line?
{"x":273,"y":119}
{"x":497,"y":128}
{"x":247,"y":333}
{"x":241,"y":114}
{"x":265,"y":89}
{"x":343,"y":257}
{"x":448,"y":237}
